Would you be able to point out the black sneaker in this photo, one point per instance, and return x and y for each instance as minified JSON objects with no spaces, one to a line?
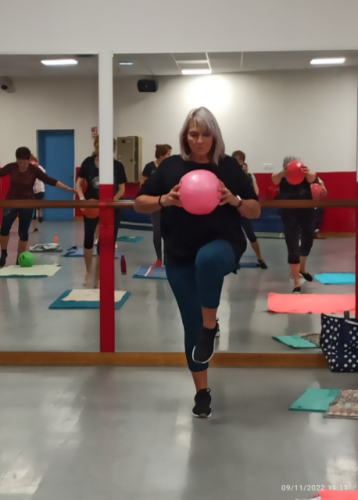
{"x":205,"y":346}
{"x":202,"y":408}
{"x":297,"y":289}
{"x":218,"y":329}
{"x":40,"y":219}
{"x":307,"y":276}
{"x":262,"y":264}
{"x":3,"y":259}
{"x":35,"y":230}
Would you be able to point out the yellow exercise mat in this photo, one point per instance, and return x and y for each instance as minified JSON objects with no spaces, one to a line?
{"x":29,"y":272}
{"x":89,"y":295}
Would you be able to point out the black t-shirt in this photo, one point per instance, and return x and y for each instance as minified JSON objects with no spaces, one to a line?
{"x":149,"y":169}
{"x":90,"y":173}
{"x":183,"y":233}
{"x":301,"y":191}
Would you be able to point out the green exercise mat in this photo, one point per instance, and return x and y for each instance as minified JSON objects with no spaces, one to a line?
{"x":315,"y":400}
{"x":295,"y":341}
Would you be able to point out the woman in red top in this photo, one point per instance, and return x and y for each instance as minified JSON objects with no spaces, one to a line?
{"x":22,"y":178}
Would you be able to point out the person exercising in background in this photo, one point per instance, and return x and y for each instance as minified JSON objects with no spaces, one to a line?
{"x":23,"y":175}
{"x":162,"y":151}
{"x":39,"y":192}
{"x":246,"y":223}
{"x":89,"y":172}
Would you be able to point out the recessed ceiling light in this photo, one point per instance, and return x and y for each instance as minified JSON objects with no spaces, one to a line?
{"x":196,"y":71}
{"x":328,"y":60}
{"x":59,"y":62}
{"x":126,"y":64}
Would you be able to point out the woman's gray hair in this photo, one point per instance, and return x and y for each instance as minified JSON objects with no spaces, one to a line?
{"x":288,"y":159}
{"x":203,"y":118}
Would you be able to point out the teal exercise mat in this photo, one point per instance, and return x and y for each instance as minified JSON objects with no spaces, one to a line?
{"x":315,"y":400}
{"x":78,"y":252}
{"x":151,"y":273}
{"x":336,"y":278}
{"x":61,"y":304}
{"x":130,"y":239}
{"x":295,"y":341}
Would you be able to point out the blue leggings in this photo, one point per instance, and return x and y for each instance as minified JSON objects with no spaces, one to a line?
{"x":8,"y":218}
{"x":199,"y":285}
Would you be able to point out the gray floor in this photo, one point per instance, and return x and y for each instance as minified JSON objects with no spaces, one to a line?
{"x":127,"y":433}
{"x":150,"y":321}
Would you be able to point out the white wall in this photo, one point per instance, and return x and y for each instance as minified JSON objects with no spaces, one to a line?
{"x":310,"y":114}
{"x":48,"y":104}
{"x":79,"y":26}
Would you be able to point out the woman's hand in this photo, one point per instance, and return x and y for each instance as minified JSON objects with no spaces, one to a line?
{"x":172,"y":199}
{"x":227,"y":198}
{"x":71,"y":190}
{"x":305,"y":170}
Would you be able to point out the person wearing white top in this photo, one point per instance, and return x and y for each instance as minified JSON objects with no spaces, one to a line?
{"x":39,"y":192}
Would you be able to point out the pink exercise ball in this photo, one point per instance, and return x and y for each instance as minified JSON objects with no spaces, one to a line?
{"x":199,"y":192}
{"x":295,"y":174}
{"x":316,"y":190}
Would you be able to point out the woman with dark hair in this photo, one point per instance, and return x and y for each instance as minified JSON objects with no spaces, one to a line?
{"x":23,"y":175}
{"x":200,"y":250}
{"x":162,"y":151}
{"x":298,"y":223}
{"x":246,"y":223}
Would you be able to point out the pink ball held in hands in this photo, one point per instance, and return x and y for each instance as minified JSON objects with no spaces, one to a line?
{"x":200,"y":192}
{"x":295,"y":173}
{"x":316,"y":190}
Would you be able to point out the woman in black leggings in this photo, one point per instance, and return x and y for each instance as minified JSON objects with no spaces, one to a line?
{"x":22,"y":179}
{"x":89,"y":173}
{"x":298,"y":223}
{"x":200,"y":250}
{"x":162,"y":151}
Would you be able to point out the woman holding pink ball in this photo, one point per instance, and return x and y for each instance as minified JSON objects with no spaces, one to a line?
{"x":295,"y":181}
{"x":200,"y":249}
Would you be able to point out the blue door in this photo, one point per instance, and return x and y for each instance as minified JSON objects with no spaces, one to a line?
{"x":57,"y":156}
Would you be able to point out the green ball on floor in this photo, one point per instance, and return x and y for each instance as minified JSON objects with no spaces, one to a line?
{"x":26,"y":259}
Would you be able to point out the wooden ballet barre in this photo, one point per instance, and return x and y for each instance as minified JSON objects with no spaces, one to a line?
{"x":130,"y":204}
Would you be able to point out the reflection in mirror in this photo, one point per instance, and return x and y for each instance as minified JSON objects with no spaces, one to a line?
{"x":272,"y":109}
{"x":48,"y":120}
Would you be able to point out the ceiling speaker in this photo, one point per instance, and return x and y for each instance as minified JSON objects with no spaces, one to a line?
{"x":147,"y":85}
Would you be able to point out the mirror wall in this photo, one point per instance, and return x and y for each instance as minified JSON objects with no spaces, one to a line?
{"x":50,"y":110}
{"x":268,"y":105}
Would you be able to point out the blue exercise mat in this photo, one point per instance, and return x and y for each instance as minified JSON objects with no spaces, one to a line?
{"x":129,"y":239}
{"x":151,"y":273}
{"x":78,"y":252}
{"x":336,"y":278}
{"x":315,"y":400}
{"x":60,"y":304}
{"x":295,"y":341}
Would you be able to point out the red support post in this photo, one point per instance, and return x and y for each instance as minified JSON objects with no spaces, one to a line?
{"x":106,"y":235}
{"x":356,"y":256}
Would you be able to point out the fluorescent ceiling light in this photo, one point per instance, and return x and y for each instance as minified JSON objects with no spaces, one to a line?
{"x":196,"y":71}
{"x":328,"y":60}
{"x":126,"y":64}
{"x":59,"y":62}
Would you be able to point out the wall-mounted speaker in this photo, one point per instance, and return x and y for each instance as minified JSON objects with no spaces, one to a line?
{"x":147,"y":85}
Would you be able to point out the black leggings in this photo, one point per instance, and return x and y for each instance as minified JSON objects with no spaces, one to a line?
{"x":38,"y":196}
{"x":247,"y":227}
{"x":157,"y":235}
{"x":298,"y":225}
{"x":8,"y":218}
{"x":90,"y":229}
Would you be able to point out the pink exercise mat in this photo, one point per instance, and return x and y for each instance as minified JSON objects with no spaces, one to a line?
{"x":310,"y":304}
{"x":338,"y":495}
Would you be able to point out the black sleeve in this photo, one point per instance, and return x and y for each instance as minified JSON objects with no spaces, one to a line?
{"x":245,"y":188}
{"x":154,"y":185}
{"x":119,"y":172}
{"x":147,"y":170}
{"x":83,"y":173}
